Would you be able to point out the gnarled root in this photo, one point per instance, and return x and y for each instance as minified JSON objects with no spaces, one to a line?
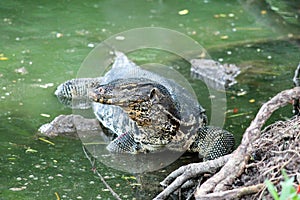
{"x":184,"y":173}
{"x":234,"y":193}
{"x":218,"y":184}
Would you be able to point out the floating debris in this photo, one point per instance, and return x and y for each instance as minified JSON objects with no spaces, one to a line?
{"x":45,"y":115}
{"x":59,"y":35}
{"x":235,"y":110}
{"x":57,"y":196}
{"x":128,"y":177}
{"x":224,"y":37}
{"x":31,"y":176}
{"x":241,"y":93}
{"x":7,"y":20}
{"x":17,"y":188}
{"x":45,"y":140}
{"x":30,"y":150}
{"x":230,"y":15}
{"x":263,"y":12}
{"x":221,"y":15}
{"x":251,"y":100}
{"x":183,"y":12}
{"x":82,"y":32}
{"x":91,"y":45}
{"x":239,"y":114}
{"x":2,"y":58}
{"x":37,"y":166}
{"x":21,"y":71}
{"x":120,"y":37}
{"x":46,"y":85}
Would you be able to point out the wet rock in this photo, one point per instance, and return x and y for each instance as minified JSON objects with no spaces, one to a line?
{"x":21,"y":71}
{"x":214,"y":74}
{"x":68,"y":125}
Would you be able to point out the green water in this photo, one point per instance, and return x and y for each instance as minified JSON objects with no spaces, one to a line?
{"x":51,"y":39}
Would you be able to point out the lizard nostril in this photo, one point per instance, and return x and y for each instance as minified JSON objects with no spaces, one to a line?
{"x":101,"y":90}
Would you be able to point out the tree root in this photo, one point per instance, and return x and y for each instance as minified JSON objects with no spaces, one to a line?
{"x":218,"y":184}
{"x":234,"y":193}
{"x":186,"y":172}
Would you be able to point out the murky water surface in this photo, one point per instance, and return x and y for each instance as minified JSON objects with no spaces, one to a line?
{"x":44,"y":43}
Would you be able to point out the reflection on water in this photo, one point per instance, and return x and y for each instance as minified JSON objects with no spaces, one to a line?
{"x":50,"y":41}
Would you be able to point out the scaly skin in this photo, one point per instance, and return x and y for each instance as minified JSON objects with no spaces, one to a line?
{"x":147,"y":103}
{"x":157,"y":115}
{"x":146,"y":114}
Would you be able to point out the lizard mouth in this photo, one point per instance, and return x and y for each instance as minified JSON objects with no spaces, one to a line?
{"x":151,"y":147}
{"x":96,"y":97}
{"x":93,"y":96}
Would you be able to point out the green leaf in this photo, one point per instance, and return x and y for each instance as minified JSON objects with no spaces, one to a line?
{"x":287,"y":186}
{"x":287,"y":189}
{"x":283,"y":172}
{"x":272,"y":189}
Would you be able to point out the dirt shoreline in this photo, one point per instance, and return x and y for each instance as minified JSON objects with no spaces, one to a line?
{"x":278,"y":148}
